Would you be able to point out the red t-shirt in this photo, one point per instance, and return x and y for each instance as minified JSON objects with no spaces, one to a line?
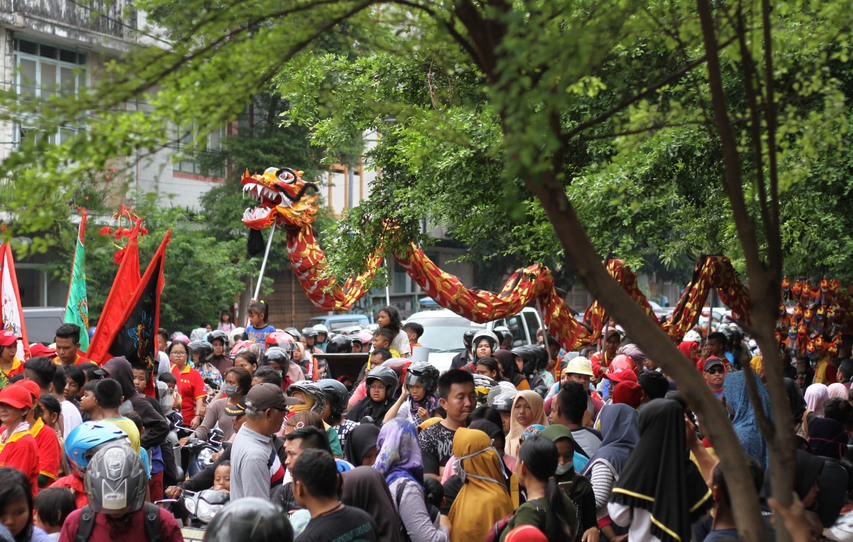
{"x":107,"y":530}
{"x":73,"y":482}
{"x":49,"y":450}
{"x":17,"y":369}
{"x":20,"y":451}
{"x":191,"y":387}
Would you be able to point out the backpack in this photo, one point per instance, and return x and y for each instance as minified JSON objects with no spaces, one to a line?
{"x":152,"y":523}
{"x":500,"y":525}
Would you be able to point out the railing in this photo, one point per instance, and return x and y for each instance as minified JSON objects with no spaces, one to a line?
{"x":113,"y":18}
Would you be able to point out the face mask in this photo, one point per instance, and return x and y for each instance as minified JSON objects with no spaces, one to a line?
{"x":229,"y":390}
{"x":564,"y":468}
{"x":457,"y":466}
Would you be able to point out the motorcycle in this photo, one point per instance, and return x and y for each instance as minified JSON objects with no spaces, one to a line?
{"x":202,"y":507}
{"x":200,"y":452}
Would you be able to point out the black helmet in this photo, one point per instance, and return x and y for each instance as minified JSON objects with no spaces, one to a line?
{"x":309,"y":332}
{"x":116,"y":481}
{"x":528,"y":358}
{"x":218,"y":335}
{"x":293,"y":332}
{"x":204,"y":350}
{"x":310,"y":390}
{"x":424,"y":373}
{"x":336,"y":394}
{"x":339,"y":345}
{"x":276,"y":355}
{"x":386,"y":375}
{"x":467,"y":337}
{"x":501,"y":399}
{"x":249,"y":518}
{"x":542,"y":356}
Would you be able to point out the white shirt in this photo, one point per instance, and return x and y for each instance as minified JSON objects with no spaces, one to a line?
{"x":70,"y":417}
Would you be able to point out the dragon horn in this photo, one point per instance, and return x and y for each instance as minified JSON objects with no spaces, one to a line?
{"x":247,"y":173}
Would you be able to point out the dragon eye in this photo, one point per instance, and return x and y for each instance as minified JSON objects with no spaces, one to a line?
{"x":286,"y":175}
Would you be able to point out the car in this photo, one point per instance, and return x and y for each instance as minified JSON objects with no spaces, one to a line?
{"x":443,"y":330}
{"x":336,"y":322}
{"x":42,"y":323}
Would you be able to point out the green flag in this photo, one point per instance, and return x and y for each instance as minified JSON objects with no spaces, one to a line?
{"x":77,"y":306}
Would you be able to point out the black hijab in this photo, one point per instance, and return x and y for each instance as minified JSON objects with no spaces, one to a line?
{"x":795,"y":399}
{"x":365,"y":488}
{"x":659,"y":476}
{"x":806,"y":470}
{"x":510,"y":370}
{"x":359,"y":442}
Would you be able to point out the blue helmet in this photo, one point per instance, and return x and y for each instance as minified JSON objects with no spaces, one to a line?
{"x":86,"y":439}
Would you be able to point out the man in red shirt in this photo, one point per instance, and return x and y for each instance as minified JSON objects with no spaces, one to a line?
{"x":68,"y":345}
{"x":18,"y":448}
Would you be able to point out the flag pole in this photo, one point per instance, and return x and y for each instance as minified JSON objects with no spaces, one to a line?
{"x":264,"y":263}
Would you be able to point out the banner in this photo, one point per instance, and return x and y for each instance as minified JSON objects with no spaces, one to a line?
{"x":77,"y":304}
{"x":121,"y":292}
{"x":10,"y":301}
{"x":136,"y":337}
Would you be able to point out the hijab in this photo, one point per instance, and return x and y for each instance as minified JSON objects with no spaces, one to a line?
{"x":619,"y":428}
{"x":399,"y":452}
{"x":359,"y":442}
{"x":365,"y":488}
{"x":483,"y":499}
{"x":827,"y":438}
{"x":510,"y":371}
{"x":806,"y":471}
{"x":662,"y":455}
{"x":516,"y":429}
{"x":687,"y":347}
{"x":837,"y":391}
{"x":744,"y":422}
{"x":573,"y":484}
{"x":815,"y":396}
{"x":795,"y":399}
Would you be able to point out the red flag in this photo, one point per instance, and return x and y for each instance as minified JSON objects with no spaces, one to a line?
{"x":124,"y":285}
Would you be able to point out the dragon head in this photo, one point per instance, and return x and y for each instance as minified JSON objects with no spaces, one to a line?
{"x":281,"y":199}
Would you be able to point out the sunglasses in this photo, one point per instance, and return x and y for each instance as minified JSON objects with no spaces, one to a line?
{"x":715,"y":370}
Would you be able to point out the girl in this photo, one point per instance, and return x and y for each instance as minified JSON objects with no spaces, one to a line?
{"x":259,"y":329}
{"x":360,"y":448}
{"x":18,"y":448}
{"x":601,"y":360}
{"x":16,"y":507}
{"x":489,"y":367}
{"x":389,"y":318}
{"x":381,"y":383}
{"x":417,"y":402}
{"x":575,"y":486}
{"x":537,"y":462}
{"x":527,"y":409}
{"x":225,"y":323}
{"x":247,"y":360}
{"x":10,"y":365}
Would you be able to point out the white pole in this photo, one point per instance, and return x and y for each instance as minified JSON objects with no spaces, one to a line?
{"x":388,"y":284}
{"x":264,"y":264}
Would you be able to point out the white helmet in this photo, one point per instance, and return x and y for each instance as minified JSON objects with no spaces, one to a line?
{"x":320,"y":328}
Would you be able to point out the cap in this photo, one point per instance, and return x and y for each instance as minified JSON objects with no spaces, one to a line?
{"x":31,"y":387}
{"x":629,"y":393}
{"x":238,"y":409}
{"x":16,"y":397}
{"x":526,"y":533}
{"x":579,"y":365}
{"x":621,"y":375}
{"x":264,"y":396}
{"x":8,"y":337}
{"x":38,"y":350}
{"x":100,"y":371}
{"x":713,"y":361}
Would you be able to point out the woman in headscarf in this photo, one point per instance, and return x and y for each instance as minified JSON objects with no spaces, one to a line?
{"x":619,"y":428}
{"x":743,"y":420}
{"x":651,"y":510}
{"x":837,"y":391}
{"x":691,"y":350}
{"x":509,"y":370}
{"x":815,"y":396}
{"x":483,"y":499}
{"x":365,"y":488}
{"x":360,"y":449}
{"x":798,"y":413}
{"x":527,"y":409}
{"x":577,"y":487}
{"x":400,"y":462}
{"x":827,"y":438}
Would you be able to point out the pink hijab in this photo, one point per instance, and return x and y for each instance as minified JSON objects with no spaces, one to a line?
{"x":815,"y":396}
{"x":837,"y":391}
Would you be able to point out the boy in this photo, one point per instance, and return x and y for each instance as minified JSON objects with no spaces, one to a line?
{"x":88,"y":404}
{"x":258,"y":329}
{"x":382,"y":338}
{"x":222,"y":477}
{"x":414,"y":331}
{"x":109,"y":398}
{"x":44,"y":373}
{"x":75,"y":379}
{"x":52,"y":506}
{"x":170,"y":380}
{"x":316,"y":486}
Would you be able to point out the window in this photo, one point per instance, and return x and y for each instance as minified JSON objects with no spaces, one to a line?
{"x":198,"y":157}
{"x":43,"y":71}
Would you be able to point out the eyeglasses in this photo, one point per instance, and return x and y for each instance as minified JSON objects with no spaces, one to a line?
{"x":376,"y":387}
{"x":715,"y":370}
{"x":178,"y":354}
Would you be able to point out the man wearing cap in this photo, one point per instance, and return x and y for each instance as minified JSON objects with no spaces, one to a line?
{"x":578,"y":369}
{"x":10,"y":365}
{"x":68,"y":345}
{"x":252,"y":453}
{"x":715,"y":375}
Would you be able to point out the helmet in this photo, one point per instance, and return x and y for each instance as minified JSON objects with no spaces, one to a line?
{"x":502,"y":401}
{"x":494,"y":342}
{"x":204,"y":350}
{"x":237,"y":333}
{"x":579,"y":365}
{"x":384,"y":374}
{"x":336,"y":394}
{"x":249,"y":518}
{"x":528,"y":357}
{"x":116,"y":481}
{"x":293,"y":332}
{"x":309,"y":332}
{"x":483,"y":385}
{"x":276,"y":355}
{"x":343,"y":466}
{"x":426,"y":374}
{"x":400,"y":366}
{"x":312,"y":391}
{"x":468,"y":336}
{"x":281,"y":339}
{"x":91,"y":332}
{"x":218,"y":335}
{"x":243,"y":346}
{"x":86,"y":439}
{"x":339,"y":345}
{"x":320,"y":328}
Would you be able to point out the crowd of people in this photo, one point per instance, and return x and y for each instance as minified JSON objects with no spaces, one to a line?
{"x":512,"y":443}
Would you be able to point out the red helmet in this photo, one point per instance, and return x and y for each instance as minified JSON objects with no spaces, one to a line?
{"x":281,"y":339}
{"x":621,"y":368}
